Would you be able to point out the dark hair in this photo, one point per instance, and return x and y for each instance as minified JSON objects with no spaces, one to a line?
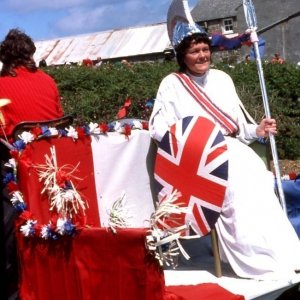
{"x":42,"y":63}
{"x":16,"y":50}
{"x":185,"y":44}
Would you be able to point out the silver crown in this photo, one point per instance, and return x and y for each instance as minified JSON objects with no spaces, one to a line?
{"x":180,"y":22}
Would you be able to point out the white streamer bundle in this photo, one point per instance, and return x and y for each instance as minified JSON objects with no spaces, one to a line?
{"x":63,"y":196}
{"x":163,"y":239}
{"x":119,"y":215}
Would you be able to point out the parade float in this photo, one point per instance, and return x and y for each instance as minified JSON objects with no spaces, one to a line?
{"x":90,"y":225}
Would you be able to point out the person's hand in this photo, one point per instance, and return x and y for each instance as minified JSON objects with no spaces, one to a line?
{"x":265,"y":127}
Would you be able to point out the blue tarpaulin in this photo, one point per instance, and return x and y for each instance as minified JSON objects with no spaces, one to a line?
{"x":291,"y":189}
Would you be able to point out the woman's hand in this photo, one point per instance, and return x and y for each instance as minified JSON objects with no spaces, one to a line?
{"x":265,"y":127}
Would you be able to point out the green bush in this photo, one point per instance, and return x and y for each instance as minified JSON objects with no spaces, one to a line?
{"x":283,"y":93}
{"x":97,"y":94}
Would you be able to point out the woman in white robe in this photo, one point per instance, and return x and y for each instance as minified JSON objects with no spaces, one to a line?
{"x":255,"y":235}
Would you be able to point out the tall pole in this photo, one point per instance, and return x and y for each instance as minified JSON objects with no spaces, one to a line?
{"x":252,"y":27}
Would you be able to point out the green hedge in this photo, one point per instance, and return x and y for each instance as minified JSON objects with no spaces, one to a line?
{"x":97,"y":94}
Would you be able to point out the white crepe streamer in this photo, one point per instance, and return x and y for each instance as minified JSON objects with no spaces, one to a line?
{"x":119,"y":215}
{"x":65,"y":201}
{"x":163,"y":240}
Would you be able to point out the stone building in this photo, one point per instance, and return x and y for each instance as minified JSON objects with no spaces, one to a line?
{"x":278,"y":24}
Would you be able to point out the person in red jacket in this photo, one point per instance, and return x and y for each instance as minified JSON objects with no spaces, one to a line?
{"x":32,"y":95}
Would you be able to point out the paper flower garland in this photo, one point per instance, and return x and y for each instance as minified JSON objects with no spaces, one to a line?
{"x":58,"y":181}
{"x":75,"y":133}
{"x":63,"y":197}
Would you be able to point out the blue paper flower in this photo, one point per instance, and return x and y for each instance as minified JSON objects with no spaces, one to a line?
{"x":46,"y":131}
{"x":19,"y":145}
{"x":70,"y":228}
{"x":8,"y":177}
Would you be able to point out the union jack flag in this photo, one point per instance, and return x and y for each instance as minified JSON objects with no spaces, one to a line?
{"x":192,"y":159}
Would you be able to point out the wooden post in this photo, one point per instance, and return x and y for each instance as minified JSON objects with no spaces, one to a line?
{"x":216,"y":253}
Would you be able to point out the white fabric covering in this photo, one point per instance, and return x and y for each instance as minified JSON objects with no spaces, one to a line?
{"x":120,"y":167}
{"x":250,"y":289}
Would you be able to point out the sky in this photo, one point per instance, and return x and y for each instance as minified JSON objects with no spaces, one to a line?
{"x":48,"y":19}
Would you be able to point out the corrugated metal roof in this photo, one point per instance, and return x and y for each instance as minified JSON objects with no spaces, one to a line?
{"x":107,"y":45}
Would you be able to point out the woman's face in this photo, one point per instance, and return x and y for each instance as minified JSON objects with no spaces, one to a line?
{"x":197,"y":58}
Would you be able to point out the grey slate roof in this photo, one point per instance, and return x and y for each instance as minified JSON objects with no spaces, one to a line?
{"x":206,"y":10}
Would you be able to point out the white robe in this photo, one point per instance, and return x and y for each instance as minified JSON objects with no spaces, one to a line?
{"x":255,"y":235}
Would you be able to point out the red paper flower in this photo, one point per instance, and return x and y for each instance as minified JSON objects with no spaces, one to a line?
{"x":145,"y":125}
{"x":38,"y":229}
{"x":103,"y":127}
{"x":36,"y":131}
{"x":26,"y":215}
{"x":80,"y":132}
{"x":62,"y":177}
{"x":127,"y":130}
{"x":14,"y":154}
{"x":12,"y":187}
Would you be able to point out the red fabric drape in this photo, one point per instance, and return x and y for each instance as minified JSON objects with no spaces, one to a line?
{"x":68,"y":152}
{"x":96,"y":264}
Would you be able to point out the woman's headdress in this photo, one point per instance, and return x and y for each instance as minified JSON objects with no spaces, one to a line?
{"x":180,"y":23}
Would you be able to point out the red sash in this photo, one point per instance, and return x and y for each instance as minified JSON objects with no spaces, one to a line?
{"x":199,"y":95}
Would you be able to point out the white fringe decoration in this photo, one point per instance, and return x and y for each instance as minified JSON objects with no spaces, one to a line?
{"x":66,"y":201}
{"x":163,"y":240}
{"x":28,"y":228}
{"x":94,"y":128}
{"x":45,"y":231}
{"x":71,"y":132}
{"x":119,"y":215}
{"x":27,"y":137}
{"x":16,"y":198}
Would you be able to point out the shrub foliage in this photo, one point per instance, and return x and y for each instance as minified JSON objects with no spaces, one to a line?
{"x":96,"y":94}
